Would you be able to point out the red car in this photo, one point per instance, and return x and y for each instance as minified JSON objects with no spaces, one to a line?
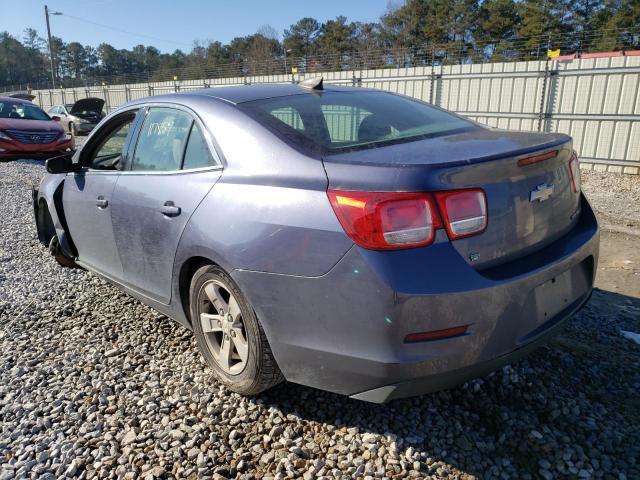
{"x":27,"y":131}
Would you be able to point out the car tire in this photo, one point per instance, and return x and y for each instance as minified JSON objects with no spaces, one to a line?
{"x":73,"y":129}
{"x":229,"y":335}
{"x":56,"y":251}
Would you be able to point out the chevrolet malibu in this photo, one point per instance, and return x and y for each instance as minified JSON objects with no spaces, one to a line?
{"x":348,"y":239}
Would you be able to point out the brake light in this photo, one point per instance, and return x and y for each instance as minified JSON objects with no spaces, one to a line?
{"x":574,"y":172}
{"x":537,"y":158}
{"x":386,"y":220}
{"x":464,"y":212}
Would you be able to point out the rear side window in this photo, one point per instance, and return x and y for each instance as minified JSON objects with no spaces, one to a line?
{"x":336,"y":121}
{"x":162,"y":140}
{"x":197,"y":153}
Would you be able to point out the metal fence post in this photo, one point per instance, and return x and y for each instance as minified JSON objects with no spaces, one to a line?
{"x":547,"y":97}
{"x":434,"y":87}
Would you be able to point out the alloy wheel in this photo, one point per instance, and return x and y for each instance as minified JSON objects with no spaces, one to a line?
{"x":223,"y":326}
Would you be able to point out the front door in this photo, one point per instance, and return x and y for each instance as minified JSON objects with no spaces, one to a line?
{"x":172,"y":170}
{"x":87,"y":198}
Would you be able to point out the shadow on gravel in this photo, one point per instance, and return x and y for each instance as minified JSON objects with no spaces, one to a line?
{"x":572,"y":406}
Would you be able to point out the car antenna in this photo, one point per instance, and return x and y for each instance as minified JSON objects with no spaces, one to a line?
{"x":314,"y":83}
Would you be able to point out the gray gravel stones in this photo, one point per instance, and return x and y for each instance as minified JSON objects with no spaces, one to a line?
{"x":615,"y":196}
{"x":94,"y":384}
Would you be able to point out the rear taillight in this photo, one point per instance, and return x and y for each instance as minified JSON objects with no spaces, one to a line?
{"x":396,"y":220}
{"x":386,"y":220}
{"x":574,"y":172}
{"x":464,"y":212}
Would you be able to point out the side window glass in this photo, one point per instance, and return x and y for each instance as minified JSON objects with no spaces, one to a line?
{"x":197,"y":154}
{"x":162,"y":140}
{"x":108,"y":154}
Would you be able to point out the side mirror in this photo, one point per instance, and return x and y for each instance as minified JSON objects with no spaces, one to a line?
{"x":55,"y":118}
{"x":62,"y":164}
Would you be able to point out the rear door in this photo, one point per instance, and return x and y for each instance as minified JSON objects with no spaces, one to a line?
{"x":88,"y":196}
{"x":172,"y":169}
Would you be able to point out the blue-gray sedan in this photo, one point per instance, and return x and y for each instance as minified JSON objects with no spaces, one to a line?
{"x":348,"y":239}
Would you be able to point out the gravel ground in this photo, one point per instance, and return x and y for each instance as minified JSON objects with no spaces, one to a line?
{"x":615,"y":196}
{"x":94,"y":384}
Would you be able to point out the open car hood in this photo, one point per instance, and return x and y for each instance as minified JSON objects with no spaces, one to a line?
{"x":91,"y":104}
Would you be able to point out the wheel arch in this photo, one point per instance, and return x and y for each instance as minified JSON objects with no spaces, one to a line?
{"x":187,"y":270}
{"x":45,"y":227}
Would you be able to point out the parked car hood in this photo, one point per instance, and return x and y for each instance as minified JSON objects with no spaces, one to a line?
{"x":91,"y":104}
{"x":35,"y":125}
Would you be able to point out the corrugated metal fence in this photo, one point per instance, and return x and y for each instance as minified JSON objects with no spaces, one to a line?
{"x":594,"y":100}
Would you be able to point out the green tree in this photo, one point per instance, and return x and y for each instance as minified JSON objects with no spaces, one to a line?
{"x":334,"y":40}
{"x":300,"y":37}
{"x":619,"y":26}
{"x":545,"y":24}
{"x":498,"y":24}
{"x":75,"y":59}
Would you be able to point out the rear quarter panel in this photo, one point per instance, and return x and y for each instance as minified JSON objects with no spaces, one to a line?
{"x":269,"y":211}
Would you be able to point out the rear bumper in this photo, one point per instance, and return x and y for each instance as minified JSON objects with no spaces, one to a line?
{"x":345,"y":331}
{"x":448,"y":379}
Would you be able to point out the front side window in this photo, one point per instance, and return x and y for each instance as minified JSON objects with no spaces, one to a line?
{"x":110,"y":150}
{"x":336,"y":121}
{"x":162,"y":140}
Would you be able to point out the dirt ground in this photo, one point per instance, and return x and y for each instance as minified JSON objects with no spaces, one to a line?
{"x":619,"y":266}
{"x":616,"y":201}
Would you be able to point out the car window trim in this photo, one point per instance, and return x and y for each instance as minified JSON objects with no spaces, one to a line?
{"x":186,"y":145}
{"x":88,"y":170}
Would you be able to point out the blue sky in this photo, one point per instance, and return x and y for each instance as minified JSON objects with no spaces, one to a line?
{"x":172,"y":24}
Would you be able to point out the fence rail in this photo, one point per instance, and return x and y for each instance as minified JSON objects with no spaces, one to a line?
{"x":595,"y":100}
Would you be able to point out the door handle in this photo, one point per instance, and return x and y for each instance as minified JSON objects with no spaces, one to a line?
{"x":102,"y":202}
{"x":169,"y":209}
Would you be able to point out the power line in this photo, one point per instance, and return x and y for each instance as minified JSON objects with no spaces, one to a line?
{"x":116,"y":29}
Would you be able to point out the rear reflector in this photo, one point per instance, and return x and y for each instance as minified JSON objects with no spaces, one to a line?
{"x":537,"y":158}
{"x":436,"y":334}
{"x":386,"y":220}
{"x":464,"y":212}
{"x":574,"y":172}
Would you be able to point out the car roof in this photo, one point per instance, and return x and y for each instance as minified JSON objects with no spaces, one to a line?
{"x":247,"y":93}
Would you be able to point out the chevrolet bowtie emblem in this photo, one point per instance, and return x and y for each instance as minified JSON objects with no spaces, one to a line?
{"x":541,"y":192}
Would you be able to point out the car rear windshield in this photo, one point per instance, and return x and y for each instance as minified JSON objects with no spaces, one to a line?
{"x":333,"y":121}
{"x":22,"y":111}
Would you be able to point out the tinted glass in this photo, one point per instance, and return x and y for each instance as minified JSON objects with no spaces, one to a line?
{"x":197,"y":153}
{"x":162,"y":140}
{"x":288,"y":115}
{"x":339,"y":121}
{"x":109,"y":153}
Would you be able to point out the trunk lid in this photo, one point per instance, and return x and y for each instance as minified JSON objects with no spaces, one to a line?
{"x":528,"y":206}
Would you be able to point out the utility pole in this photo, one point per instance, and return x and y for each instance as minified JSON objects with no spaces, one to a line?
{"x":53,"y":74}
{"x":285,"y":59}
